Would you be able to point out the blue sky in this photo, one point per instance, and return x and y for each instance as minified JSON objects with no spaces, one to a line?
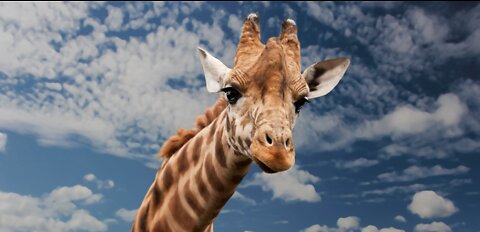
{"x":89,"y":91}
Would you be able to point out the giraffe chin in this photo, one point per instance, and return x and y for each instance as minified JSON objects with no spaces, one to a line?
{"x":263,"y":166}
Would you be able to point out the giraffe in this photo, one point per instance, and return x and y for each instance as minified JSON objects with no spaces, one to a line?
{"x":252,"y":122}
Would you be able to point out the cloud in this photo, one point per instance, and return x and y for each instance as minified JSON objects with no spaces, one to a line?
{"x":114,"y":19}
{"x":370,"y":228}
{"x":391,"y":229}
{"x":74,"y":84}
{"x":291,"y":185}
{"x":433,"y":227}
{"x":358,"y":163}
{"x":56,"y":211}
{"x":428,"y":204}
{"x":416,"y":172}
{"x":400,"y":218}
{"x":126,"y":215}
{"x":316,"y":228}
{"x":348,"y":223}
{"x":3,"y":141}
{"x":406,"y":120}
{"x":101,"y":184}
{"x":395,"y":189}
{"x":243,"y":198}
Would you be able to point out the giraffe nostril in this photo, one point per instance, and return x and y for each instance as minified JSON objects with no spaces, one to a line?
{"x":287,"y":143}
{"x":268,"y":139}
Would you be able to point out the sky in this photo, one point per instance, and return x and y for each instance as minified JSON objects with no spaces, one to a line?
{"x":89,"y":92}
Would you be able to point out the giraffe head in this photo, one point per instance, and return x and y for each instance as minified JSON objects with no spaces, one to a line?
{"x":265,"y":91}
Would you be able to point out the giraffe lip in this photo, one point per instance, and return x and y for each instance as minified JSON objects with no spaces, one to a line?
{"x":263,"y":166}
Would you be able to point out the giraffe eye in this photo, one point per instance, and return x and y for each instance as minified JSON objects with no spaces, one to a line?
{"x":232,"y":94}
{"x":300,"y":103}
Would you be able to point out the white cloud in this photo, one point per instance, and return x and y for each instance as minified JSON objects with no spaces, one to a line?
{"x":370,"y":228}
{"x":358,"y":163}
{"x":406,"y":120}
{"x":291,"y":185}
{"x":416,"y":172}
{"x":126,"y":215}
{"x":391,"y":229}
{"x":400,"y":218}
{"x":433,"y":227}
{"x":101,"y":184}
{"x":114,"y":19}
{"x":428,"y":204}
{"x":317,"y":228}
{"x":93,"y":77}
{"x":348,"y":223}
{"x":241,"y":197}
{"x":56,"y":211}
{"x":235,"y":24}
{"x":3,"y":141}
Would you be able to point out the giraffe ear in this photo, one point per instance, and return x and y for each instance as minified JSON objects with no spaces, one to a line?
{"x":323,"y":76}
{"x":215,"y":71}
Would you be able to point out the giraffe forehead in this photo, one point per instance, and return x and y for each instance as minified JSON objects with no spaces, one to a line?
{"x":269,"y":73}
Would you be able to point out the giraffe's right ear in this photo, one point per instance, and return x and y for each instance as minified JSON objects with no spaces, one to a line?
{"x":215,"y":71}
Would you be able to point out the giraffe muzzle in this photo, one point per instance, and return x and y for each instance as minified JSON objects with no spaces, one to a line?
{"x":273,"y":149}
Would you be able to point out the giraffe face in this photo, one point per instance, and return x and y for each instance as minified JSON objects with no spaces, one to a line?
{"x":265,"y":90}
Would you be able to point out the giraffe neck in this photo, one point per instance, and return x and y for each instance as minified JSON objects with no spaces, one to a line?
{"x":193,"y":185}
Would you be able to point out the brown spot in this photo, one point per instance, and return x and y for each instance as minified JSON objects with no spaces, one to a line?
{"x":156,"y":195}
{"x":212,"y":176}
{"x":244,"y":122}
{"x":143,"y":222}
{"x":219,"y":152}
{"x":242,"y":164}
{"x":182,"y":161}
{"x":236,"y":179}
{"x":180,"y":213}
{"x":192,"y":200}
{"x":248,"y":142}
{"x":167,"y":178}
{"x":161,"y":225}
{"x":202,"y":187}
{"x":197,"y":149}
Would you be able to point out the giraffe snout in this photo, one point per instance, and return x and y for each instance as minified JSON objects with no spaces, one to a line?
{"x":273,"y":149}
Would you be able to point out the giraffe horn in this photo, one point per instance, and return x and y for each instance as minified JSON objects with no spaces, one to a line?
{"x":250,"y":42}
{"x":288,"y":37}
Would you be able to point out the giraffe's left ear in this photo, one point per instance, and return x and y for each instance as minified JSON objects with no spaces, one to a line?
{"x":323,"y":76}
{"x":215,"y":71}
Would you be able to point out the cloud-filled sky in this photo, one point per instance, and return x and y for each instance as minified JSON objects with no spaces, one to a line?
{"x":89,"y":92}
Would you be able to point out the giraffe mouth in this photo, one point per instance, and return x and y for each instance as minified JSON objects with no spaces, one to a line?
{"x":263,"y":166}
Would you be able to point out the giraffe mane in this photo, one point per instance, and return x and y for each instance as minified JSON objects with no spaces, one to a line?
{"x":174,"y":143}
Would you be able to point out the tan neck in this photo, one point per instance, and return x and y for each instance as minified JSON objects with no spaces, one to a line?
{"x":194,"y":184}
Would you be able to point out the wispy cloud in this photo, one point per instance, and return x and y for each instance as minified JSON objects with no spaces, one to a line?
{"x":126,"y":215}
{"x":238,"y":196}
{"x":416,"y":172}
{"x":98,"y":86}
{"x":3,"y":141}
{"x":355,"y":164}
{"x":101,"y":184}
